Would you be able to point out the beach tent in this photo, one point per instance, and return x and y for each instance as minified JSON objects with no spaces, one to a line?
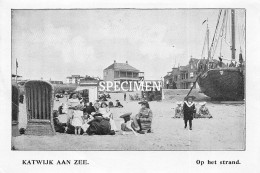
{"x":39,"y":107}
{"x":15,"y":109}
{"x":92,"y":91}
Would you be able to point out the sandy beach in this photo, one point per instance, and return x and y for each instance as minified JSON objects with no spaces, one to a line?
{"x":225,"y":131}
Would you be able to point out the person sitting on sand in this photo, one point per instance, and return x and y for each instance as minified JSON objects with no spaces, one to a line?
{"x":58,"y":126}
{"x":126,"y":126}
{"x":118,"y":104}
{"x":89,"y":108}
{"x":86,"y":119}
{"x":178,"y":111}
{"x":188,"y":110}
{"x":77,"y":119}
{"x":106,"y":113}
{"x":99,"y":126}
{"x":143,"y":120}
{"x":110,"y":104}
{"x":203,"y":111}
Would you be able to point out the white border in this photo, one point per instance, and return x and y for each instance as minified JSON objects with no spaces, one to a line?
{"x":156,"y":161}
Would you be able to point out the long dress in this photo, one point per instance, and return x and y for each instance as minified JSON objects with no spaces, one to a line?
{"x":72,"y":103}
{"x":77,"y":118}
{"x":107,"y":114}
{"x":99,"y":126}
{"x":145,"y":116}
{"x":188,"y":111}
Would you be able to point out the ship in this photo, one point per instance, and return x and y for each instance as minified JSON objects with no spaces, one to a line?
{"x":217,"y":80}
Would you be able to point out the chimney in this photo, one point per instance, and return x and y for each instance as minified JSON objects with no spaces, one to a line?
{"x":126,"y":62}
{"x":114,"y":61}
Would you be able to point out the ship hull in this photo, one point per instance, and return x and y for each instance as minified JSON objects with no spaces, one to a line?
{"x":223,"y":84}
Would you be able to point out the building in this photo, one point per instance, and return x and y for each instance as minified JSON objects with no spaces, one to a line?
{"x":182,"y":77}
{"x":56,"y":82}
{"x":88,"y":88}
{"x":122,"y":72}
{"x":73,"y":79}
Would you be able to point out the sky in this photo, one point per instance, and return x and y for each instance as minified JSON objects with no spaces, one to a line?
{"x":54,"y":44}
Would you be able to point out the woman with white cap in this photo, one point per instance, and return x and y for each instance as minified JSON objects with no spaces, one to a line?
{"x":203,"y":111}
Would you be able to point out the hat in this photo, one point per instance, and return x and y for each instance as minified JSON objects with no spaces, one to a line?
{"x":126,"y":115}
{"x":203,"y":103}
{"x":187,"y":97}
{"x":103,"y":103}
{"x":97,"y":114}
{"x":143,"y":102}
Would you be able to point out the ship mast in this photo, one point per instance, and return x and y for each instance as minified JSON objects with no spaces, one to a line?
{"x":233,"y":42}
{"x":208,"y":40}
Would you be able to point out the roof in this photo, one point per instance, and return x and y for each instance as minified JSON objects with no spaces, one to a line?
{"x":184,"y":68}
{"x":122,"y":66}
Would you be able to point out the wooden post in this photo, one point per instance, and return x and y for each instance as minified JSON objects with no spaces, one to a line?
{"x":233,"y":49}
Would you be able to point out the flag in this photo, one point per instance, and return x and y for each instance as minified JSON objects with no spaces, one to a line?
{"x":16,"y":64}
{"x":204,"y":21}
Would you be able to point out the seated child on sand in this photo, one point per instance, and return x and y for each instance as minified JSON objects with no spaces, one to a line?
{"x":126,"y":125}
{"x":178,"y":110}
{"x":106,"y":113}
{"x":204,"y":111}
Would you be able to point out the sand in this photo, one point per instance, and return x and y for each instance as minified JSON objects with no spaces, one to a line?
{"x":225,"y":131}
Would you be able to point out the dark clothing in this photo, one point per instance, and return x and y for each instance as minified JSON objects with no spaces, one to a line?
{"x":110,"y":104}
{"x":89,"y":109}
{"x":190,"y":123}
{"x":125,"y":128}
{"x":118,"y":104}
{"x":60,"y":109}
{"x":99,"y":126}
{"x":71,"y":130}
{"x":21,"y":98}
{"x":58,"y":126}
{"x":188,"y":111}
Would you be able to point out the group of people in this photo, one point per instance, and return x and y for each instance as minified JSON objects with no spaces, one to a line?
{"x":188,"y":111}
{"x":76,"y":118}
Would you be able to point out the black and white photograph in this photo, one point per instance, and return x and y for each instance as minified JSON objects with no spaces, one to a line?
{"x":129,"y":86}
{"x":128,"y":79}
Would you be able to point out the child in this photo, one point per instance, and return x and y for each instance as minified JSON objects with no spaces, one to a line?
{"x":188,"y":110}
{"x":77,"y":118}
{"x":86,"y":119}
{"x":203,"y":111}
{"x":105,"y":111}
{"x":178,"y":111}
{"x":126,"y":126}
{"x":118,"y":104}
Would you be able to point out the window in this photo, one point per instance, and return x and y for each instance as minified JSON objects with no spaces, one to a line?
{"x":191,"y":75}
{"x":135,"y":75}
{"x":122,"y":74}
{"x":116,"y":74}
